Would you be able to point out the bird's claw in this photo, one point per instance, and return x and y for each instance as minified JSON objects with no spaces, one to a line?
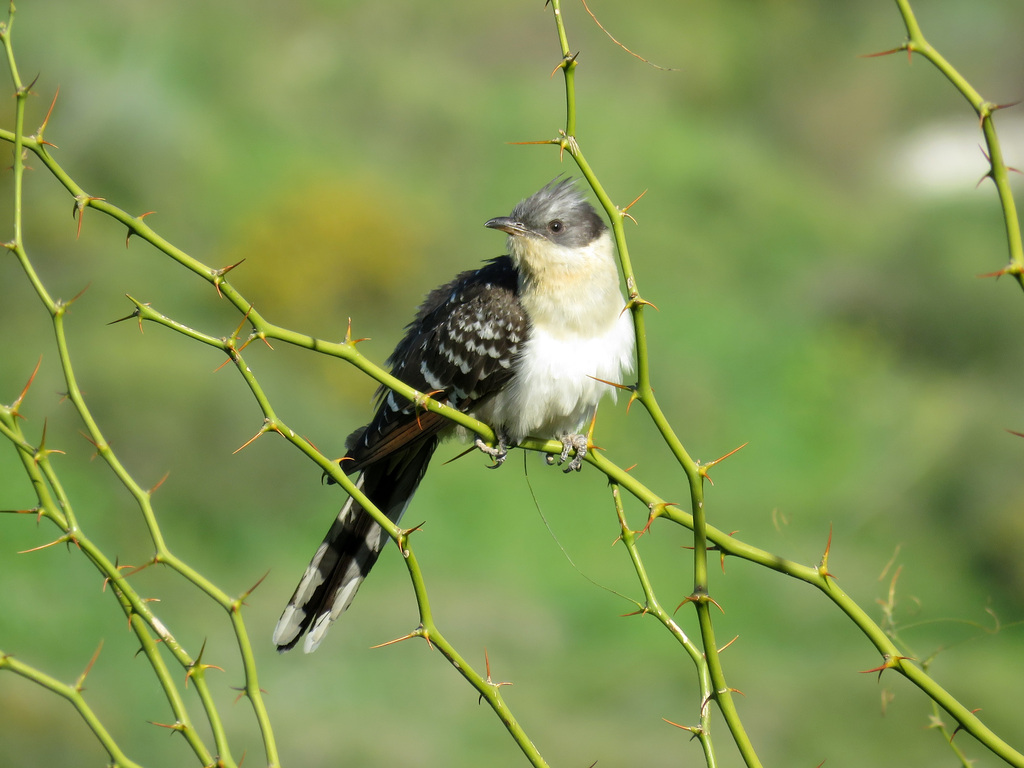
{"x":577,"y":443}
{"x":498,"y":453}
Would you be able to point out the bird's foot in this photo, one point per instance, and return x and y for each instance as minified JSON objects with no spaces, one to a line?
{"x":570,"y":443}
{"x":498,"y":453}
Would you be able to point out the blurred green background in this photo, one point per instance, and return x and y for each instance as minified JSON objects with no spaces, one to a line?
{"x":811,"y":235}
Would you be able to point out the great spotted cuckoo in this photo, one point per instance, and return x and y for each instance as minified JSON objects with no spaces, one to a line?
{"x":525,"y":343}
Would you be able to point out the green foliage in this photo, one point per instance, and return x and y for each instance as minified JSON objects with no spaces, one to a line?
{"x":807,"y":305}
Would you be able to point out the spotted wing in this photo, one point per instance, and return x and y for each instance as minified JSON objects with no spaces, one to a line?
{"x":461,"y":349}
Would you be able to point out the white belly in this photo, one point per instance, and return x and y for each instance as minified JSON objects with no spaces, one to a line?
{"x":555,"y":389}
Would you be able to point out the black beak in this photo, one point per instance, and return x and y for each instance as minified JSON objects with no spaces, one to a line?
{"x":506,"y":224}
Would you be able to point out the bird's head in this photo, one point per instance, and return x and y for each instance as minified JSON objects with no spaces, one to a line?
{"x":554,"y":228}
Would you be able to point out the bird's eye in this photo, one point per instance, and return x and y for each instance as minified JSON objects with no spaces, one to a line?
{"x":555,"y":226}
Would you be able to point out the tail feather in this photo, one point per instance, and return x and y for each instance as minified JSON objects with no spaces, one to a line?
{"x":350,"y":549}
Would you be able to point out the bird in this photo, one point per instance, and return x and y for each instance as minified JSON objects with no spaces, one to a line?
{"x":527,"y":343}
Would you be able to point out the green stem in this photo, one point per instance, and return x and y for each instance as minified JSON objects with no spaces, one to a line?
{"x":653,"y":608}
{"x":74,"y":696}
{"x":998,"y":170}
{"x":645,"y":393}
{"x":818,"y":577}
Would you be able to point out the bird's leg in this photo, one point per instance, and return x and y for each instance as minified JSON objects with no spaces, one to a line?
{"x":570,"y":443}
{"x":499,"y":452}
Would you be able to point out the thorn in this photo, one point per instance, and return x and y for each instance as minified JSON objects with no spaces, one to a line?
{"x":135,"y":313}
{"x":539,"y":141}
{"x":636,"y":301}
{"x":630,"y":388}
{"x":252,"y":439}
{"x":117,"y":567}
{"x":42,"y":451}
{"x":232,"y":358}
{"x":823,"y":565}
{"x":173,"y":726}
{"x":348,"y":335}
{"x":28,"y":384}
{"x":624,"y":211}
{"x":224,"y":270}
{"x":640,"y":612}
{"x":403,"y":538}
{"x":80,"y":683}
{"x":567,"y":61}
{"x":34,"y":511}
{"x":903,"y":47}
{"x":634,"y":395}
{"x":253,"y":336}
{"x":61,"y":540}
{"x":159,"y":482}
{"x":137,"y":569}
{"x":418,"y":632}
{"x":487,"y":664}
{"x":695,"y":730}
{"x":420,"y":401}
{"x":252,"y":589}
{"x":657,"y":509}
{"x":728,"y":644}
{"x":687,"y":599}
{"x":327,"y":477}
{"x":81,"y":202}
{"x":567,"y":142}
{"x":93,"y":443}
{"x":131,"y":231}
{"x":313,"y":445}
{"x":77,"y":296}
{"x":960,"y":726}
{"x":988,"y":108}
{"x":218,"y":277}
{"x":590,"y":432}
{"x":1009,"y":269}
{"x":698,"y":599}
{"x":238,"y":330}
{"x":198,"y":666}
{"x":888,"y":663}
{"x":471,"y":449}
{"x":46,"y":120}
{"x":702,"y":469}
{"x":406,"y":531}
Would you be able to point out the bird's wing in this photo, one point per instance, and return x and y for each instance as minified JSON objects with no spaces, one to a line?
{"x":461,"y":349}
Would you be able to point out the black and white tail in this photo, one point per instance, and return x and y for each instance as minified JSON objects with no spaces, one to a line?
{"x":460,"y":348}
{"x":350,"y":548}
